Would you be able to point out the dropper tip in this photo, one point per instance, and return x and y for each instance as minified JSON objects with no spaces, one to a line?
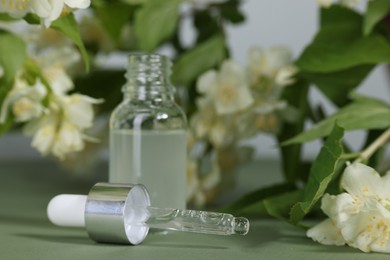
{"x":241,"y":226}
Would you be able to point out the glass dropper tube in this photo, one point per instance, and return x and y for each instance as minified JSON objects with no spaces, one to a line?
{"x":191,"y":221}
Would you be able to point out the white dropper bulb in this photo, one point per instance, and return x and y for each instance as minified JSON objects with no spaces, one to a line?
{"x":106,"y":212}
{"x":67,"y":210}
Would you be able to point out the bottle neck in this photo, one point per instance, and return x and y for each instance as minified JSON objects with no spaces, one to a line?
{"x":148,"y":78}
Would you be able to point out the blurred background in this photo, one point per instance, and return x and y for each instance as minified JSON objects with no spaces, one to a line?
{"x":269,"y":22}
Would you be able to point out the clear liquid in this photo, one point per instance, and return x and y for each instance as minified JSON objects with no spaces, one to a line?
{"x":154,"y":158}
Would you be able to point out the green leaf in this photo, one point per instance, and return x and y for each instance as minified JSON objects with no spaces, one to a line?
{"x":231,"y":12}
{"x":206,"y":24}
{"x":324,"y":169}
{"x":376,"y":11}
{"x":323,"y":57}
{"x":104,"y":84}
{"x":337,"y":85}
{"x":199,"y":59}
{"x":32,"y":18}
{"x":113,"y":17}
{"x":296,"y":96}
{"x":339,"y":44}
{"x":257,"y":196}
{"x":7,"y":125}
{"x":363,"y":113}
{"x":5,"y":17}
{"x":366,"y":99}
{"x":134,"y":2}
{"x":337,"y":15}
{"x":32,"y":72}
{"x":69,"y":27}
{"x":12,"y":55}
{"x":277,"y":206}
{"x":155,"y":22}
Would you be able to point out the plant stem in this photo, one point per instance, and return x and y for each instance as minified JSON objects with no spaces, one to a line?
{"x":372,"y":148}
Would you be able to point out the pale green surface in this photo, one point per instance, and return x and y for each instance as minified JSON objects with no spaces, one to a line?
{"x":25,"y":232}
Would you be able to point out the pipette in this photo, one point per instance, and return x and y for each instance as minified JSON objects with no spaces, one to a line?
{"x":121,"y":213}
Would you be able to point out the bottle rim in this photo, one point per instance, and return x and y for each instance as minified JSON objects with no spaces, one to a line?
{"x":148,"y":73}
{"x":148,"y":60}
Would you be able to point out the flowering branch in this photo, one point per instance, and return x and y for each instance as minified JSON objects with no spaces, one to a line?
{"x":371,"y":149}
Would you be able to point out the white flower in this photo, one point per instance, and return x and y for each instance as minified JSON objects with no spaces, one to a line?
{"x":199,"y":187}
{"x":25,"y":101}
{"x":78,"y":110}
{"x":60,"y":132}
{"x":359,"y":217}
{"x":208,"y":125}
{"x":326,"y":233}
{"x":50,"y":10}
{"x":54,"y":63}
{"x":59,"y":80}
{"x":202,"y":122}
{"x":46,"y":129}
{"x":228,"y":88}
{"x":268,"y":62}
{"x":47,"y":10}
{"x":285,"y":75}
{"x":221,"y":134}
{"x":269,"y":71}
{"x":69,"y":139}
{"x":56,"y":120}
{"x":15,"y":8}
{"x":348,"y":3}
{"x":65,"y":57}
{"x":325,"y":3}
{"x":57,"y":137}
{"x":268,"y":115}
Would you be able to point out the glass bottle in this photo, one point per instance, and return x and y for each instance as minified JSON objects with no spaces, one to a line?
{"x":148,"y":133}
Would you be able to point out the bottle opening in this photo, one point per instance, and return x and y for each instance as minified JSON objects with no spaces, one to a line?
{"x":147,"y":63}
{"x":148,"y":73}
